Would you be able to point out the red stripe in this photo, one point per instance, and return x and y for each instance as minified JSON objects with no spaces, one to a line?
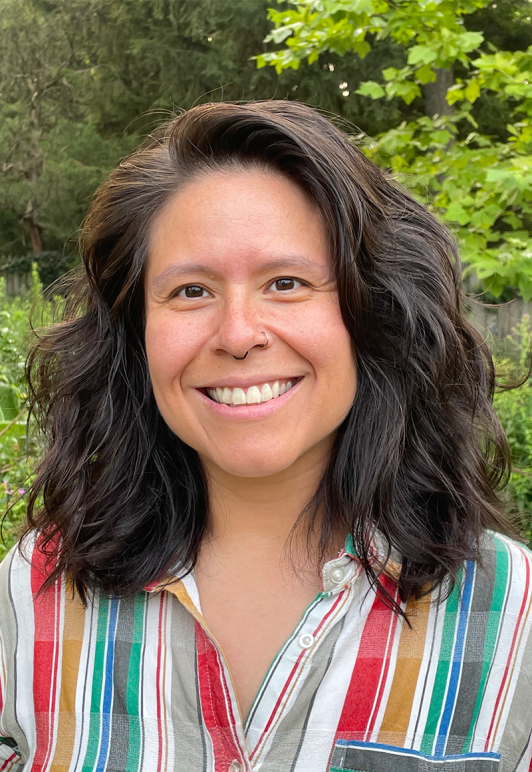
{"x":292,"y":673}
{"x":510,"y":654}
{"x":389,"y":647}
{"x":158,"y":682}
{"x":216,"y":703}
{"x":14,"y":757}
{"x":372,"y":660}
{"x":47,"y":614}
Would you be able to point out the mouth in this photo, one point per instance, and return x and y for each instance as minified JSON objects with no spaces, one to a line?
{"x":253,"y":395}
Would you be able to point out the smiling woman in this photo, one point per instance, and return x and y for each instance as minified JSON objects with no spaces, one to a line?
{"x":270,"y":536}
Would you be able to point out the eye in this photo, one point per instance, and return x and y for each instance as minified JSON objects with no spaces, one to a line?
{"x":286,"y":283}
{"x":192,"y":291}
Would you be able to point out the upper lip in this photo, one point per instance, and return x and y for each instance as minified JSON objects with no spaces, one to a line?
{"x":245,"y":383}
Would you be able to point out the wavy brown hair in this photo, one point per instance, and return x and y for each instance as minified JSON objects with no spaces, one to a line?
{"x":421,"y":453}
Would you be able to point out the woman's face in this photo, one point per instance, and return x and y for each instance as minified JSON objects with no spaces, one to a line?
{"x":236,"y":255}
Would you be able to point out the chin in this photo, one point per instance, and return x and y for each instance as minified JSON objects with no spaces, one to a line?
{"x":253,"y":467}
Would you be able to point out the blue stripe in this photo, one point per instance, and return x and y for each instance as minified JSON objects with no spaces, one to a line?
{"x":411,"y":752}
{"x":108,"y":687}
{"x":456,"y":667}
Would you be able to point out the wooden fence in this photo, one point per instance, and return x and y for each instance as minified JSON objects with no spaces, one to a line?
{"x":499,"y":321}
{"x":16,"y":283}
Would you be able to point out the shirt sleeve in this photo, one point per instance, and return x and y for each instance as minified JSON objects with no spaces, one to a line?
{"x":11,"y":755}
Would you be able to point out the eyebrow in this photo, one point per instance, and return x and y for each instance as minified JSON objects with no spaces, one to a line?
{"x":289,"y":261}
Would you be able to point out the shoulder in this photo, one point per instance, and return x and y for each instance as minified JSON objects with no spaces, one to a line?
{"x":496,"y":598}
{"x":505,"y":563}
{"x":23,"y":573}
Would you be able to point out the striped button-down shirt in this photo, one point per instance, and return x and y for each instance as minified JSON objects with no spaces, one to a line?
{"x":139,"y":684}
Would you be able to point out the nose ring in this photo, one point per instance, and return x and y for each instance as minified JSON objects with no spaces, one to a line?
{"x":260,"y":345}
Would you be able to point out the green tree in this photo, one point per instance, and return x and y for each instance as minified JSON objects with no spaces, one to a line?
{"x":480,"y":183}
{"x":51,"y":157}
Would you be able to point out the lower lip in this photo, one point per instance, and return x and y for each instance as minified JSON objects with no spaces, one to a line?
{"x":249,"y":412}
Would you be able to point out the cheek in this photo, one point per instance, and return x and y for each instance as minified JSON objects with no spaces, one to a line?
{"x":169,"y":348}
{"x":322,"y":338}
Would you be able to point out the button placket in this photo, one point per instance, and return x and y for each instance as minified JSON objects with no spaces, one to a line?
{"x":235,"y":766}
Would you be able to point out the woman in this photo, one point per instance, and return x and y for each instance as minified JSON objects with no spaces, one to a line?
{"x":271,"y":467}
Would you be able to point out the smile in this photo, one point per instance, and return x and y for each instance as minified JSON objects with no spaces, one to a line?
{"x":254,"y":395}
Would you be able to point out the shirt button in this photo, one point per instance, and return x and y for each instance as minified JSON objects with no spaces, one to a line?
{"x":306,"y":640}
{"x":338,"y":575}
{"x":236,"y":767}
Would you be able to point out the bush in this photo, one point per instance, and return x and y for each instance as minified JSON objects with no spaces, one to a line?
{"x":19,"y":449}
{"x":515,"y":411}
{"x":51,"y":265}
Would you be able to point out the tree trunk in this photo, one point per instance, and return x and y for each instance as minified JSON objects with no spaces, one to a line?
{"x":33,"y":228}
{"x":435,"y":94}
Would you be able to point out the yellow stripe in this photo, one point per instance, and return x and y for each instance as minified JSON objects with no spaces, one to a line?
{"x":409,"y":657}
{"x":73,"y":631}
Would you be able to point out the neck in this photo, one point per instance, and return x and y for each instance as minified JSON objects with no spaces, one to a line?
{"x":258,"y":514}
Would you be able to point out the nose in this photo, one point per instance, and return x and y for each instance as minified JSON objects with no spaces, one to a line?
{"x":240,"y":328}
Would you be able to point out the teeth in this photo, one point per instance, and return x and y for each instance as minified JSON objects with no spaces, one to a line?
{"x":239,"y":397}
{"x":254,"y":396}
{"x":266,"y":393}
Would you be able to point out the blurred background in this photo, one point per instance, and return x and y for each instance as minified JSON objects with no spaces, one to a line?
{"x":438,"y":92}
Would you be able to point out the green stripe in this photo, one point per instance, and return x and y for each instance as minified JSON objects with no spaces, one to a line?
{"x":444,"y":663}
{"x":97,"y":685}
{"x":133,"y":682}
{"x":500,"y":584}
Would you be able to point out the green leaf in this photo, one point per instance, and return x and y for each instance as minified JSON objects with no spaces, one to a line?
{"x":468,"y":41}
{"x":421,"y":55}
{"x":425,"y":75}
{"x":371,"y":89}
{"x":456,"y":213}
{"x":495,"y":175}
{"x":472,"y":90}
{"x":390,"y":73}
{"x":455,"y":93}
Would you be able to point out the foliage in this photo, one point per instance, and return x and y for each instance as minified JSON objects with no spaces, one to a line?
{"x":82,"y":81}
{"x":51,"y":265}
{"x":514,"y":408}
{"x":480,"y":184}
{"x":19,"y":448}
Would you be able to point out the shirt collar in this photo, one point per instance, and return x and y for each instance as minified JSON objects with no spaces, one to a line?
{"x":336,"y":574}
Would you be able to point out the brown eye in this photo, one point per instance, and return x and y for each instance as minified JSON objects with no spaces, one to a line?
{"x":286,"y":284}
{"x":192,"y":291}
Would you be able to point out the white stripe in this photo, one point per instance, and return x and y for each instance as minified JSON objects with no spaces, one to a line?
{"x":330,"y":697}
{"x":53,"y":715}
{"x":20,"y":580}
{"x":508,"y":626}
{"x":84,"y":685}
{"x":300,"y":676}
{"x":149,"y":681}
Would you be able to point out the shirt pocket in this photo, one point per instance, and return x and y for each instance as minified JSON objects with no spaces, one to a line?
{"x":352,"y":756}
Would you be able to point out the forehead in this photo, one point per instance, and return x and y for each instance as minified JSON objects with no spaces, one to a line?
{"x":235,"y":220}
